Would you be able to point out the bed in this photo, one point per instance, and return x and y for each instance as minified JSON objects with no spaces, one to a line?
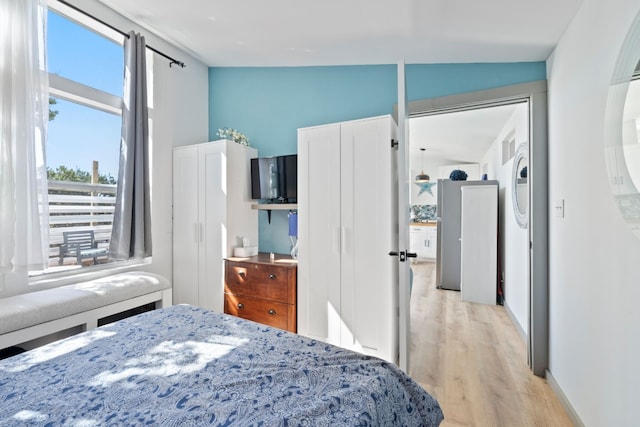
{"x":184,"y":365}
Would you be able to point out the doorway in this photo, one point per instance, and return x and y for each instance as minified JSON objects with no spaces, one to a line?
{"x":528,"y":306}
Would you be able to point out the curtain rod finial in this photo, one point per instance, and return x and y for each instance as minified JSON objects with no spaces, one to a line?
{"x":178,"y":63}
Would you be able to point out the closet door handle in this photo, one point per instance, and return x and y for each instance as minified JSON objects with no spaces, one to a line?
{"x":343,"y":239}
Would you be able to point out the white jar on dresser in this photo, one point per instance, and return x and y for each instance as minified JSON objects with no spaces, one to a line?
{"x":211,"y":213}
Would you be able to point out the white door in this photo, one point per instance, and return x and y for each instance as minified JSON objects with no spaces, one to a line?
{"x":403,"y":221}
{"x":185,"y":226}
{"x":319,"y":223}
{"x":213,"y":224}
{"x":367,"y":300}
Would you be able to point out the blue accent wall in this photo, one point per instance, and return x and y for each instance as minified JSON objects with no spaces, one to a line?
{"x":269,"y":104}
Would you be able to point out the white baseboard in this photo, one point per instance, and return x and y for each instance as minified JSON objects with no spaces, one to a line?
{"x":515,"y":322}
{"x":571,"y":413}
{"x":555,"y":387}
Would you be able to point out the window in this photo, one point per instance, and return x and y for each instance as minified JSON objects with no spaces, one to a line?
{"x":84,"y":56}
{"x":508,"y":146}
{"x":85,"y":60}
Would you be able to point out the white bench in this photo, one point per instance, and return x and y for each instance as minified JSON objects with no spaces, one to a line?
{"x":37,"y":314}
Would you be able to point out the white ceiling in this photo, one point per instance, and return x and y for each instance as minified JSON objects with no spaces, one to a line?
{"x":262,"y":33}
{"x":457,"y":137}
{"x":346,"y":32}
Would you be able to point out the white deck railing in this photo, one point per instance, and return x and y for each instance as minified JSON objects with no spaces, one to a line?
{"x":79,"y":206}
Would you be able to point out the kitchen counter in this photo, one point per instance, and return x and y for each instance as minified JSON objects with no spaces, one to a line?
{"x":425,"y":224}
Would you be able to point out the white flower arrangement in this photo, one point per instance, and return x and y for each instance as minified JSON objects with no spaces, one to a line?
{"x":233,"y":135}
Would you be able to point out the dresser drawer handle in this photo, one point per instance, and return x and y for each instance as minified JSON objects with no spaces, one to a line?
{"x":272,"y":312}
{"x":242,"y":273}
{"x":241,"y":306}
{"x":272,"y":276}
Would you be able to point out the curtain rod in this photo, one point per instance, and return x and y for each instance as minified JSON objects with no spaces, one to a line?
{"x":173,"y":61}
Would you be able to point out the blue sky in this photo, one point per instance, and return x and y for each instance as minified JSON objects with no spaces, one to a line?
{"x":78,"y":135}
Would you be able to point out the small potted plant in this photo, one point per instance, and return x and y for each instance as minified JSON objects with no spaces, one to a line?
{"x":233,"y":135}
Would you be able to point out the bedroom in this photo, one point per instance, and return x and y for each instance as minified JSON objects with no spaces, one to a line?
{"x":197,"y":100}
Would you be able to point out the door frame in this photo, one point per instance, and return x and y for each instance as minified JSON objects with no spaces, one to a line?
{"x":536,"y":94}
{"x":402,"y":206}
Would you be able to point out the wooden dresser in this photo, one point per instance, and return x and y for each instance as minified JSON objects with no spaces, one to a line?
{"x":263,"y":290}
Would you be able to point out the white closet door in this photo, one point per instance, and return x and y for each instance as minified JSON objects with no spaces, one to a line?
{"x":320,"y":233}
{"x":212,"y":227}
{"x":185,"y":225}
{"x":240,"y":217}
{"x":368,"y":293}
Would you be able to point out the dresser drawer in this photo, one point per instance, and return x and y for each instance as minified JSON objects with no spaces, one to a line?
{"x":269,"y":282}
{"x":266,"y":312}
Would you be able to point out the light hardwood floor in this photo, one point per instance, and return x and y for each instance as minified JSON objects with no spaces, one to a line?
{"x":471,"y":358}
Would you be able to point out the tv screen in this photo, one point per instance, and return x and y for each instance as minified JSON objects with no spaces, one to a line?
{"x":274,"y":178}
{"x":264,"y":178}
{"x":288,"y":176}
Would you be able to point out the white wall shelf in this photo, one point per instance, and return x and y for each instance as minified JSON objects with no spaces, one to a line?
{"x":274,"y":207}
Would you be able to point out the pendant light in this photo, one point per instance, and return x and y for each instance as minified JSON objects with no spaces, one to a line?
{"x":422,"y":177}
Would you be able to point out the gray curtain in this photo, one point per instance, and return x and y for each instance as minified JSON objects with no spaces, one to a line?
{"x":131,"y":233}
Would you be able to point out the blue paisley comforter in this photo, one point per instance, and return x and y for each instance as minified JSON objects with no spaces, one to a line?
{"x":186,"y":366}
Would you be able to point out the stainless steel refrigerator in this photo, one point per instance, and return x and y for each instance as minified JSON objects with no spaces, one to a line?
{"x":448,"y":244}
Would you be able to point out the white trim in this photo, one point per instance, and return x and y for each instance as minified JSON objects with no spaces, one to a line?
{"x":521,"y":331}
{"x":504,"y":95}
{"x":571,"y":413}
{"x":88,"y":96}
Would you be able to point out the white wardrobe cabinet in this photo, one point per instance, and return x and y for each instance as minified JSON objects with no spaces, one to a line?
{"x":347,"y":282}
{"x":211,"y":212}
{"x":479,"y":244}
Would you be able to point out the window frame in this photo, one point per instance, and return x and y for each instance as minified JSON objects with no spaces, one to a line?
{"x":91,"y":97}
{"x":70,"y":90}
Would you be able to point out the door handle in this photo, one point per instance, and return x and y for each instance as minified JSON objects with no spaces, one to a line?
{"x":403,"y":255}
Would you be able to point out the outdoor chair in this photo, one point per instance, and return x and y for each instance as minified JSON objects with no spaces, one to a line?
{"x":81,"y":245}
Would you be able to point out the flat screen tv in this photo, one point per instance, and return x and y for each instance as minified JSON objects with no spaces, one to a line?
{"x":275,"y":178}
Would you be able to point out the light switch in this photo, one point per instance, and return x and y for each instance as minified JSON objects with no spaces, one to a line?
{"x":559,"y":208}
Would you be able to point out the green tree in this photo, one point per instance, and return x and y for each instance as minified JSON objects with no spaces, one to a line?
{"x":63,"y":173}
{"x":52,"y":113}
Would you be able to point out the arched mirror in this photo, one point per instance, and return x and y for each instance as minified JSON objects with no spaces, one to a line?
{"x":622,"y":142}
{"x":520,"y":185}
